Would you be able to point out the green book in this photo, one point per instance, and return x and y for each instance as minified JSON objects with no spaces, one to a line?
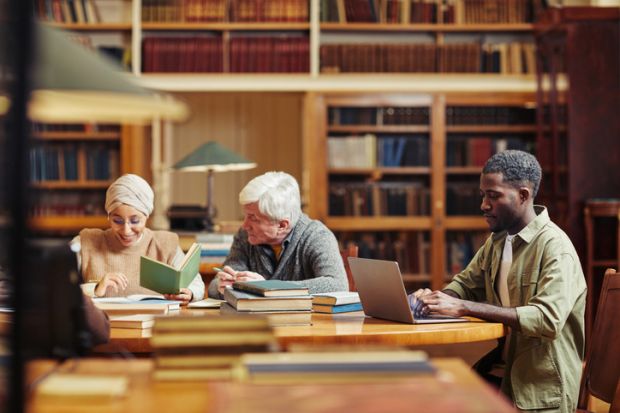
{"x":271,"y":288}
{"x":164,"y":278}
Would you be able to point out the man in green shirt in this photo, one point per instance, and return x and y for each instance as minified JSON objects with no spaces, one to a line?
{"x":527,"y":276}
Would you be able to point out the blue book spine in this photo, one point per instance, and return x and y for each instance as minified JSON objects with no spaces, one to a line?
{"x":214,"y":253}
{"x":345,"y":308}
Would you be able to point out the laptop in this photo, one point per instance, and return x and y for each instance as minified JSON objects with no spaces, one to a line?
{"x":382,"y":293}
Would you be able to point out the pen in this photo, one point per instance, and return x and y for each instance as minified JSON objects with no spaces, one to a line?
{"x":218,"y":269}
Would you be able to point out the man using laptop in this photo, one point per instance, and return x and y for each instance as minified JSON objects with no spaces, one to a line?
{"x":527,"y":276}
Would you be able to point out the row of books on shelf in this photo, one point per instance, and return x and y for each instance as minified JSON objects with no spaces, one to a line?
{"x":385,"y":115}
{"x":475,"y":150}
{"x":369,"y":151}
{"x":159,"y":11}
{"x":117,"y":53}
{"x":490,"y":115}
{"x":379,"y":199}
{"x":67,"y":11}
{"x":420,"y":115}
{"x":343,"y":11}
{"x":505,"y":58}
{"x":430,"y":11}
{"x":411,"y":249}
{"x":463,"y":198}
{"x":37,"y":127}
{"x":101,"y":162}
{"x":69,"y":203}
{"x":265,"y":54}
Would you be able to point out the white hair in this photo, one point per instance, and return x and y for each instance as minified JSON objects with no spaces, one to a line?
{"x":277,"y":195}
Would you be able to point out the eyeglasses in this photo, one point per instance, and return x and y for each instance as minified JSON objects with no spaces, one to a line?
{"x":132,"y":221}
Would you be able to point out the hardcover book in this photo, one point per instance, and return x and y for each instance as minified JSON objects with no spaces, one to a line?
{"x":271,"y":288}
{"x":125,"y":306}
{"x":336,"y":298}
{"x":334,"y":309}
{"x":243,"y":301}
{"x":164,"y":278}
{"x":137,"y":321}
{"x":275,"y":318}
{"x":334,"y":366}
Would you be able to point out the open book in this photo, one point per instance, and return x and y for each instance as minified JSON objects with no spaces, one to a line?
{"x":165,"y":279}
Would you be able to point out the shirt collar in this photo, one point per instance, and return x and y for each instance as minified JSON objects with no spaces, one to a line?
{"x":531,"y":229}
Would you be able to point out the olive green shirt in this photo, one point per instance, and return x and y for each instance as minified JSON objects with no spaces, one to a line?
{"x":548,"y":290}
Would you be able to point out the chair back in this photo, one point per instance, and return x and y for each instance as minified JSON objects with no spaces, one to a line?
{"x":350,"y":251}
{"x":602,"y":367}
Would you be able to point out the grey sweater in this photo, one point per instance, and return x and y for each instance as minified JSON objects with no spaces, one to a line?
{"x":310,"y":257}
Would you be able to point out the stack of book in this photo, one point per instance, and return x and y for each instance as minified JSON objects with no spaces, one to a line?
{"x":190,"y":348}
{"x":336,"y":302}
{"x":134,"y":321}
{"x":283,"y":302}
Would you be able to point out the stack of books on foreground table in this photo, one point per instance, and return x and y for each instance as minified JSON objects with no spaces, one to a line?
{"x":336,"y":302}
{"x":190,"y":348}
{"x":338,"y":366}
{"x":282,"y":302}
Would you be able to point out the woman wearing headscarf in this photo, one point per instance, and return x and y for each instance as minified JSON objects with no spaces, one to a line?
{"x":110,"y":258}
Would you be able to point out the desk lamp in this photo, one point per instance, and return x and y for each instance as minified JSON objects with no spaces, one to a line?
{"x":212,"y":157}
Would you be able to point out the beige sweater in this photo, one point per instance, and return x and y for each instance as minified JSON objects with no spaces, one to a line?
{"x":101,"y":253}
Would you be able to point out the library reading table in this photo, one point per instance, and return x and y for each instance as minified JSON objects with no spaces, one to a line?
{"x":348,"y":329}
{"x":453,"y":388}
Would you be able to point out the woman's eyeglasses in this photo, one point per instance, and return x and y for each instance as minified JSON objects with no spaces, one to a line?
{"x":131,"y":221}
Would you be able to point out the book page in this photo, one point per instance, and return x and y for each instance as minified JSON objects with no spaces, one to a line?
{"x":188,"y":255}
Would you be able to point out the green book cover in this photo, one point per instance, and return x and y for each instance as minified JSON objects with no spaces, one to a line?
{"x":165,"y":279}
{"x":271,"y":288}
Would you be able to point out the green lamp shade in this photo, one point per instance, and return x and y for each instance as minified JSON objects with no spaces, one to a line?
{"x":212,"y":156}
{"x":74,"y":84}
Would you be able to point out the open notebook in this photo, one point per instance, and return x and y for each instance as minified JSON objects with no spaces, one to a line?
{"x":382,"y":292}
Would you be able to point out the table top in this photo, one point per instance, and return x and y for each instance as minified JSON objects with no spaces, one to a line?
{"x":350,"y":328}
{"x":453,"y":388}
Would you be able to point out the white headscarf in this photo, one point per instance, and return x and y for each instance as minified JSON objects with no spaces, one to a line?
{"x":130,"y":190}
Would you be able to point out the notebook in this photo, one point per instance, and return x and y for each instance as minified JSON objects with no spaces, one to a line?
{"x":382,"y":292}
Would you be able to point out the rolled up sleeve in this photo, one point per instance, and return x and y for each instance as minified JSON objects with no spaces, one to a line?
{"x":547,"y":310}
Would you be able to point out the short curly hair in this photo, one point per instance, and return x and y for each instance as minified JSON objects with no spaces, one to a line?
{"x":517,"y":167}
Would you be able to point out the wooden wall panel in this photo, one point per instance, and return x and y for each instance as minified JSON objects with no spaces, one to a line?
{"x":263,"y":127}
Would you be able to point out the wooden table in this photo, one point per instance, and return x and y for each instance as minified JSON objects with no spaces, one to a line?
{"x":350,"y":328}
{"x":454,"y":388}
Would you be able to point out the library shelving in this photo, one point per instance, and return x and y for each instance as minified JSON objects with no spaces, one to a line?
{"x":304,"y":40}
{"x":71,"y":166}
{"x":398,"y":174}
{"x":582,"y":135}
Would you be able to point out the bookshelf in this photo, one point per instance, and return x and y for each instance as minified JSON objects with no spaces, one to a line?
{"x":398,"y":173}
{"x":102,"y":25}
{"x":71,"y":166}
{"x":213,"y":41}
{"x":582,"y":135}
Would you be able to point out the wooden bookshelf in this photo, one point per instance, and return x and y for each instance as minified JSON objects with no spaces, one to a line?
{"x":71,"y":168}
{"x":450,"y":222}
{"x":93,"y":27}
{"x":230,"y":21}
{"x":430,"y":27}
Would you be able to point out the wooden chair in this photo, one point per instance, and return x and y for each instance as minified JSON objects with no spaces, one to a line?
{"x":602,"y":366}
{"x":350,"y":251}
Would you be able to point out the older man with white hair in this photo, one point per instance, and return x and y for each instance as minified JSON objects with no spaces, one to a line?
{"x":110,"y":258}
{"x":278,"y":241}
